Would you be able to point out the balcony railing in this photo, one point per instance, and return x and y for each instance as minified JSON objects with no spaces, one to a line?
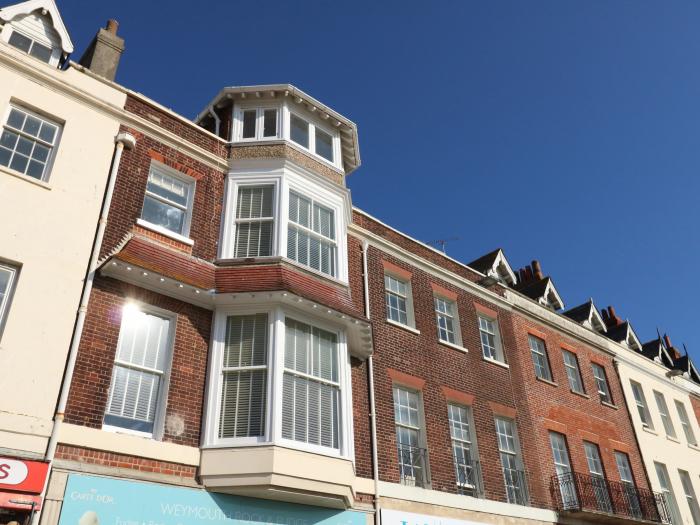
{"x":576,"y":492}
{"x":516,"y":486}
{"x":412,"y":464}
{"x":468,"y":475}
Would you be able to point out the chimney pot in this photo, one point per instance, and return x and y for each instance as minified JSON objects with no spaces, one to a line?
{"x":667,"y":341}
{"x":537,"y":270}
{"x":112,"y":26}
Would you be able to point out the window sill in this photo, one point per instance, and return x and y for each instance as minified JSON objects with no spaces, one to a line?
{"x":495,"y":362}
{"x":693,"y":447}
{"x":609,"y":405}
{"x":452,"y":345}
{"x":582,"y":394}
{"x":645,"y":428}
{"x":120,"y":430}
{"x":674,"y":439}
{"x":404,"y":326}
{"x":547,"y":381}
{"x":25,"y":178}
{"x":165,"y":231}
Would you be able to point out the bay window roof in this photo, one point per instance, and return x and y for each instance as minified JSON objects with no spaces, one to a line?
{"x":265,"y":93}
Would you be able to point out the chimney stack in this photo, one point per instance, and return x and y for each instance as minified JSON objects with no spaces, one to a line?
{"x":537,"y":270}
{"x":671,"y":349}
{"x":103,"y":54}
{"x":610,"y":317}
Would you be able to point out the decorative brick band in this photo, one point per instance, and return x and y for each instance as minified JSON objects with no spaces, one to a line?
{"x":460,"y":397}
{"x":406,"y":379}
{"x":502,"y":410}
{"x":537,"y":333}
{"x":444,"y":292}
{"x":109,"y":459}
{"x":569,"y":347}
{"x":555,"y":426}
{"x":396,"y":270}
{"x":620,"y":446}
{"x":599,"y":360}
{"x":480,"y":308}
{"x":589,"y":436}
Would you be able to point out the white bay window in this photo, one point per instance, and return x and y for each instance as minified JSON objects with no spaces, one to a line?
{"x":284,"y":214}
{"x":277,"y":377}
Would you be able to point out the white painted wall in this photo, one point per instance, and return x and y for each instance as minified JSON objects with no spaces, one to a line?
{"x":654,"y":444}
{"x":48,"y":228}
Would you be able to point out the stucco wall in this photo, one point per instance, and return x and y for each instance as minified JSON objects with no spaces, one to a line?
{"x":654,"y":444}
{"x":48,"y":229}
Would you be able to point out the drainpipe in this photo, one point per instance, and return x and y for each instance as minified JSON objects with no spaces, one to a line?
{"x":122,"y":140}
{"x":372,"y":405}
{"x":217,"y":120}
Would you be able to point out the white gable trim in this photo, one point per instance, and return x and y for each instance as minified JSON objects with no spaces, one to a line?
{"x":631,"y":339}
{"x":502,"y":270}
{"x":551,"y":296}
{"x":595,"y":320}
{"x":25,"y":8}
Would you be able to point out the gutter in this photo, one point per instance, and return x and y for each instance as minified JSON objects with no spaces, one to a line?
{"x":122,"y":140}
{"x":372,"y":405}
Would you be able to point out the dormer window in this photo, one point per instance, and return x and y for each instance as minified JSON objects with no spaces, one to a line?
{"x":31,"y":47}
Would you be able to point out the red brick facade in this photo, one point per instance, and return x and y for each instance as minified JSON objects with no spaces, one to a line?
{"x":413,"y":358}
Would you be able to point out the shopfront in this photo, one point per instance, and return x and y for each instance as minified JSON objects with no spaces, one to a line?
{"x":93,"y":500}
{"x":21,"y":484}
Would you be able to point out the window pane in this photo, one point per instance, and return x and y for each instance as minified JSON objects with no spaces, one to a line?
{"x":572,"y":371}
{"x":270,"y":123}
{"x":43,"y":53}
{"x":16,"y":118}
{"x":324,"y":145}
{"x":667,"y":491}
{"x":168,"y":187}
{"x":249,"y":117}
{"x":539,"y":358}
{"x":243,"y":400}
{"x":20,"y":41}
{"x":162,"y":214}
{"x":685,"y":423}
{"x":246,"y":341}
{"x":299,"y":130}
{"x":663,"y":412}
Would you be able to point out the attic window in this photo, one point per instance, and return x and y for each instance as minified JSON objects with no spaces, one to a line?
{"x":29,"y":46}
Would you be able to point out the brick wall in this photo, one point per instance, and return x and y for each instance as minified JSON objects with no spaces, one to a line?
{"x":93,"y":370}
{"x":555,"y":407}
{"x":109,"y":459}
{"x":695,"y":402}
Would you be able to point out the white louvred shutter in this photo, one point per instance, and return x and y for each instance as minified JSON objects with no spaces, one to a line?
{"x":243,"y":391}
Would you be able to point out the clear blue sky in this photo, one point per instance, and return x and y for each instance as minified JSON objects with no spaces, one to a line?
{"x":558,"y":130}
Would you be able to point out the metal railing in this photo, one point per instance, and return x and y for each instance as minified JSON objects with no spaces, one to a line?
{"x":468,"y":474}
{"x":574,"y":491}
{"x":412,"y":465}
{"x":516,"y":486}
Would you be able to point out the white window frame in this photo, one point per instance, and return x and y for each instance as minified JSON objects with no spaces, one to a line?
{"x":642,"y":404}
{"x":284,"y":110}
{"x":189,"y":181}
{"x":456,"y":327}
{"x":275,"y":376}
{"x":516,"y":454}
{"x":53,"y":147}
{"x":607,"y":393}
{"x":259,"y":108}
{"x":162,"y":403}
{"x":410,"y":314}
{"x":421,"y":429}
{"x":500,"y":356}
{"x":10,"y":28}
{"x":664,"y":414}
{"x":690,"y":496}
{"x":236,"y":221}
{"x":6,"y":300}
{"x":575,"y":368}
{"x":544,"y":354}
{"x":666,"y":488}
{"x":285,"y":178}
{"x":472,"y":444}
{"x":686,"y":423}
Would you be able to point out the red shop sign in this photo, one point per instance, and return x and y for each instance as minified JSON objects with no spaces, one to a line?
{"x":13,"y":500}
{"x":22,"y":476}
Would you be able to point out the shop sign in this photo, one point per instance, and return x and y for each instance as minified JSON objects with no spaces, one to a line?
{"x":92,"y":500}
{"x":22,"y":476}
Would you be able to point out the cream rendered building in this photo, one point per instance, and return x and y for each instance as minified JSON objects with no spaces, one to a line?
{"x":57,"y":140}
{"x":665,"y":424}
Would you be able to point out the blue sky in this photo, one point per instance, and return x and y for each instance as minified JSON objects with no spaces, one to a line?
{"x":561,"y":131}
